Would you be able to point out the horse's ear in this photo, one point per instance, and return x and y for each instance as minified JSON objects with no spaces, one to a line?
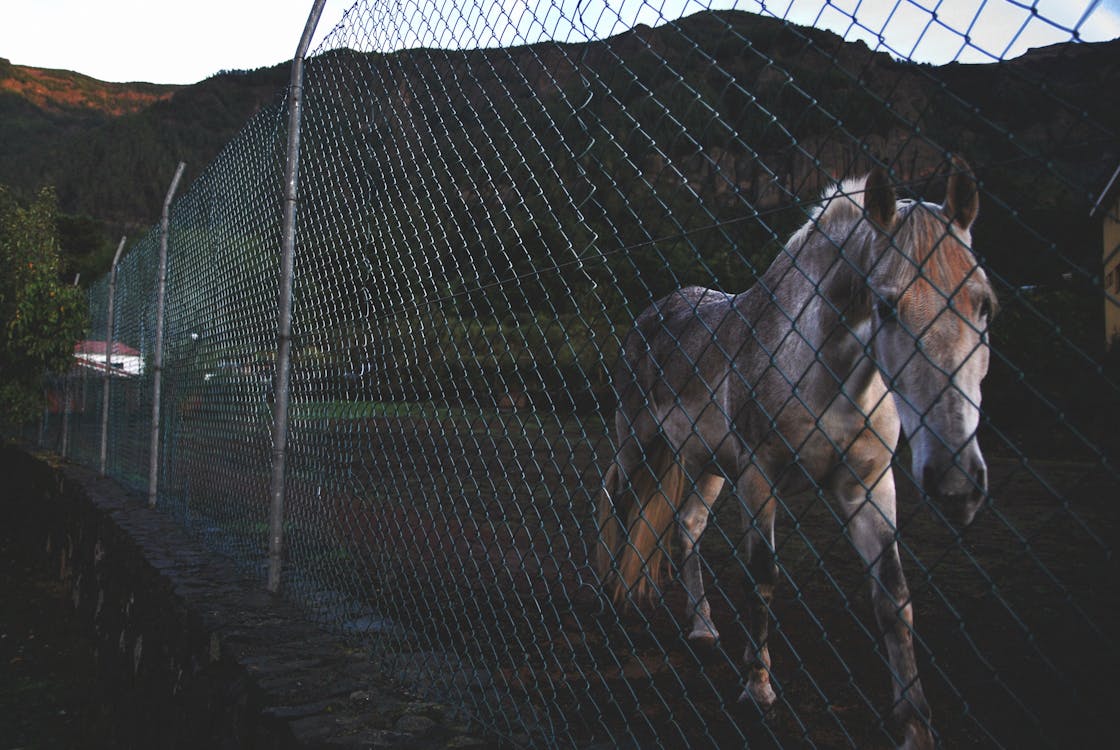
{"x":962,"y":198}
{"x":879,"y":199}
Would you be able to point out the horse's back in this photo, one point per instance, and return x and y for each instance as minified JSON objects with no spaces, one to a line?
{"x":677,"y":324}
{"x":675,"y":313}
{"x":672,"y":355}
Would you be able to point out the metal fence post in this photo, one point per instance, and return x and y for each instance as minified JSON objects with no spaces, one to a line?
{"x":65,"y":414}
{"x":157,"y":359}
{"x":108,"y":357}
{"x":46,"y":416}
{"x":284,"y":333}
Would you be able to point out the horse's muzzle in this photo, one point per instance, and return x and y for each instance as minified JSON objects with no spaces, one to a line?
{"x":960,"y":492}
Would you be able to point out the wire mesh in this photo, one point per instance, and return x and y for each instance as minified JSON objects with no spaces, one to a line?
{"x":493,"y":195}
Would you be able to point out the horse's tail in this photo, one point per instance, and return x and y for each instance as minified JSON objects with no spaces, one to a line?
{"x":631,"y":559}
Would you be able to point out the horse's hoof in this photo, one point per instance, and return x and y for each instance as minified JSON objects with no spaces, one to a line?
{"x":759,"y":693}
{"x":704,"y":635}
{"x":918,"y":737}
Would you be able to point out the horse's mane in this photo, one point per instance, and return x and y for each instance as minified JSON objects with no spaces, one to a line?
{"x":841,"y":201}
{"x":924,"y":255}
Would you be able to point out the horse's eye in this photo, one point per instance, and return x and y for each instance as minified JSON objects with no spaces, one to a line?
{"x":986,"y":309}
{"x":887,"y":308}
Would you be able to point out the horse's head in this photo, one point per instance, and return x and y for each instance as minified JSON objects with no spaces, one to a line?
{"x":931,"y":305}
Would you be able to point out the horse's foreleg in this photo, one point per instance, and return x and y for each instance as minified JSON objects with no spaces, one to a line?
{"x":759,"y":507}
{"x":872,"y":526}
{"x":693,"y":520}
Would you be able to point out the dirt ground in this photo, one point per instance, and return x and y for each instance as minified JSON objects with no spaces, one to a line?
{"x":473,"y":537}
{"x":470,"y":537}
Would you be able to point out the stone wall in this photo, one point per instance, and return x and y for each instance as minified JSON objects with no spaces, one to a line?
{"x":194,"y":654}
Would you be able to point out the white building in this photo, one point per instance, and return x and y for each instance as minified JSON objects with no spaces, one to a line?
{"x":124,"y":361}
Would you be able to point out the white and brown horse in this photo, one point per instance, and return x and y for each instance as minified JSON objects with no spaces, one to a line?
{"x":872,"y":319}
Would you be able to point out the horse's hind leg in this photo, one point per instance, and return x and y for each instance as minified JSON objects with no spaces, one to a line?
{"x":871,"y":523}
{"x":758,"y":508}
{"x":693,"y":520}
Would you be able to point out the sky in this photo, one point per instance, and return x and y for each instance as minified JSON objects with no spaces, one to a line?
{"x":184,"y":42}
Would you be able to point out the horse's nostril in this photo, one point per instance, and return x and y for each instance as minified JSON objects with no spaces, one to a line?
{"x":980,"y":477}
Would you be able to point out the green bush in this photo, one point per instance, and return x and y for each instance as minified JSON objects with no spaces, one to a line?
{"x":40,"y":318}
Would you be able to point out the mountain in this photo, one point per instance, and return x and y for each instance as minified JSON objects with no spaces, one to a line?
{"x":59,"y":92}
{"x":740,"y":108}
{"x":707,"y":134}
{"x":109,"y":149}
{"x":42,"y":111}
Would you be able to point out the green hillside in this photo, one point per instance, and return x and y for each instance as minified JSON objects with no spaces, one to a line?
{"x":109,"y":149}
{"x":728,"y":103}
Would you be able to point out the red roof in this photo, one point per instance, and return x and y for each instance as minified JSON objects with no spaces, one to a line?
{"x":98,"y":348}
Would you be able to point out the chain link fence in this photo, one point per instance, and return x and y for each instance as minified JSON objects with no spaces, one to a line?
{"x":487,"y":396}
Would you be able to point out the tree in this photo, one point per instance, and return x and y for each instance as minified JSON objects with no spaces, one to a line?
{"x":40,"y":318}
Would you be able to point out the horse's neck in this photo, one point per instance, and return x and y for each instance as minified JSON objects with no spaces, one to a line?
{"x":817,"y":292}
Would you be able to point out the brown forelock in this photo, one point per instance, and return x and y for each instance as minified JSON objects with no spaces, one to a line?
{"x":934,"y":265}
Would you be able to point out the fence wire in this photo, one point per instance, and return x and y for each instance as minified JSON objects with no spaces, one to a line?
{"x":495,"y":381}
